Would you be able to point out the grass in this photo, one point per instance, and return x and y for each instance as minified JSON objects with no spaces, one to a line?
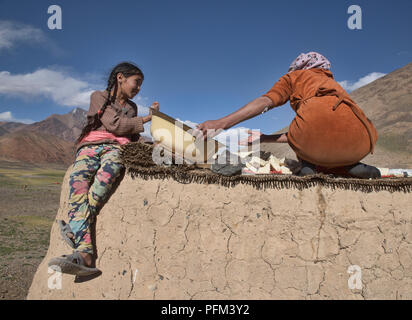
{"x":33,"y":221}
{"x":24,"y":234}
{"x":29,"y":198}
{"x":30,"y":177}
{"x":5,"y":250}
{"x":15,"y":174}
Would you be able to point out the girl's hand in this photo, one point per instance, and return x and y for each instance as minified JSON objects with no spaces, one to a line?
{"x":155,"y":106}
{"x":253,"y":136}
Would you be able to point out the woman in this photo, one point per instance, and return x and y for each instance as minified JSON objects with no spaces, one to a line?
{"x":112,"y":121}
{"x":329,"y":134}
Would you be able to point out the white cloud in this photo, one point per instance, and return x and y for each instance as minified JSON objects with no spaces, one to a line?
{"x":142,"y":110}
{"x":350,"y":86}
{"x":55,"y":84}
{"x":12,"y":33}
{"x":52,"y":84}
{"x":8,"y":117}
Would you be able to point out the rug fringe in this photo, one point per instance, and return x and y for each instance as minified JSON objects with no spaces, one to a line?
{"x":139,"y":164}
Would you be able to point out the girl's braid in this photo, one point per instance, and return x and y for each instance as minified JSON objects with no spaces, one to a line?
{"x":110,"y":83}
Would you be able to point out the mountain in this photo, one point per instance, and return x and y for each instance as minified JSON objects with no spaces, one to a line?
{"x":7,"y":127}
{"x":47,"y":141}
{"x":386,"y":101}
{"x":36,"y":147}
{"x":67,"y":126}
{"x":3,"y":131}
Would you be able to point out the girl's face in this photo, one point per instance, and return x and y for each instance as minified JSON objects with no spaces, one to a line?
{"x":129,"y":86}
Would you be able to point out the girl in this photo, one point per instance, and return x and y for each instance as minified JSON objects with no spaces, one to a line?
{"x":111,"y":121}
{"x":329,"y":134}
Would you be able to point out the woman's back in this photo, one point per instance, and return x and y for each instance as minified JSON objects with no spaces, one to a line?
{"x":301,"y":85}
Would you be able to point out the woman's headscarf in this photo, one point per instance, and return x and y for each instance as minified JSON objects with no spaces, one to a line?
{"x":308,"y":61}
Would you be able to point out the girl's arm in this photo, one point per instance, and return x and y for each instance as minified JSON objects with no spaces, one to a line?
{"x":112,"y":120}
{"x":155,"y":106}
{"x":147,"y":118}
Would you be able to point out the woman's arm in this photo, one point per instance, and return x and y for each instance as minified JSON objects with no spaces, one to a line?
{"x":279,"y":138}
{"x":278,"y":95}
{"x":252,"y":109}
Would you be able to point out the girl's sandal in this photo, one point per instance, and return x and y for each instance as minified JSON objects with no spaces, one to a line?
{"x":72,"y":264}
{"x":64,"y":230}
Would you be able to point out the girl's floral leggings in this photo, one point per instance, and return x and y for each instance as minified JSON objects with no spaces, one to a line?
{"x":94,"y":172}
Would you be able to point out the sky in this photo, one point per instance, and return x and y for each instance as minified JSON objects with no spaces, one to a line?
{"x":201,"y":60}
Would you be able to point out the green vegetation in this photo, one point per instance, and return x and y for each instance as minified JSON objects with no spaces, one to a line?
{"x":29,"y":197}
{"x":23,"y":244}
{"x":19,"y":174}
{"x":34,"y":177}
{"x":24,"y":234}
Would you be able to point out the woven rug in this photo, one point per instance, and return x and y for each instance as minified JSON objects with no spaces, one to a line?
{"x":137,"y":158}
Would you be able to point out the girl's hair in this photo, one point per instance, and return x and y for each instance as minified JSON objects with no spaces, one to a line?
{"x":127,"y":69}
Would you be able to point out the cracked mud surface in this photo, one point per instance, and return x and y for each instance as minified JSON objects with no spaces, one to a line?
{"x":160,"y":239}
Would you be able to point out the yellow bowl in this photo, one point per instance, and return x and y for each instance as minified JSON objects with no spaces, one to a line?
{"x":177,"y":137}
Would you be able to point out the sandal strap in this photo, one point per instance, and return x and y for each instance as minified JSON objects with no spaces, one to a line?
{"x":64,"y":229}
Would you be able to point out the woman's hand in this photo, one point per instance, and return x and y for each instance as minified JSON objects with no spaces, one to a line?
{"x":209,"y":128}
{"x":253,"y":137}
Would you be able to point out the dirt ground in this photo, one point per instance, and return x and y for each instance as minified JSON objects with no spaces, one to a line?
{"x":29,"y":200}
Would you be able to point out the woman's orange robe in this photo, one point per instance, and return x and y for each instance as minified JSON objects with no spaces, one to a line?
{"x":329,"y":129}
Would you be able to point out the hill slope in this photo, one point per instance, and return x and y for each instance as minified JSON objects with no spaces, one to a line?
{"x":35,"y":147}
{"x":8,"y":127}
{"x":67,"y":126}
{"x":388,"y":103}
{"x":47,"y":141}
